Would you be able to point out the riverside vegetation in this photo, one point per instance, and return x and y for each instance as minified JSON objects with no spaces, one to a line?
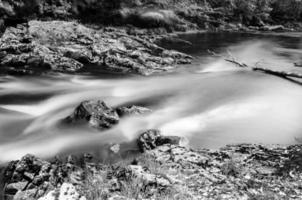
{"x":90,"y":36}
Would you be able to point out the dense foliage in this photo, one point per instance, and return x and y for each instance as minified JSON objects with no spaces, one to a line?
{"x":155,"y":13}
{"x":265,"y":9}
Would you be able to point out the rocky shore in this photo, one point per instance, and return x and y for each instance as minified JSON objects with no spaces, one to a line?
{"x":162,"y":171}
{"x":69,"y":47}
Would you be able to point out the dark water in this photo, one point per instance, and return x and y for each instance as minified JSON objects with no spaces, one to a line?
{"x":211,"y":102}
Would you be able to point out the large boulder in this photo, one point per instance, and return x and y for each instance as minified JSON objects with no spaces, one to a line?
{"x":101,"y":116}
{"x":97,"y":113}
{"x":151,"y":139}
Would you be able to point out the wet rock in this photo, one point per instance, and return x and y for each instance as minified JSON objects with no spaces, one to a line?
{"x":97,"y":113}
{"x":148,"y":140}
{"x":174,"y":140}
{"x":43,"y":46}
{"x":132,"y":110}
{"x":152,"y":138}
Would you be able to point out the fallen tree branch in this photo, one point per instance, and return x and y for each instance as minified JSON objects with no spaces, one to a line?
{"x":261,"y":69}
{"x":278,"y":73}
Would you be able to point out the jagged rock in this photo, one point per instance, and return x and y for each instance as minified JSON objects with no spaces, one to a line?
{"x":97,"y":113}
{"x":152,"y":138}
{"x":31,"y":177}
{"x":130,"y":110}
{"x":42,"y":46}
{"x":25,"y":177}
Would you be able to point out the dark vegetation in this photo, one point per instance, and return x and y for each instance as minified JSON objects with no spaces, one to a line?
{"x":171,"y":14}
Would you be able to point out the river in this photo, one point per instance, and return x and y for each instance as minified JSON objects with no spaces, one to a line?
{"x":210,"y":102}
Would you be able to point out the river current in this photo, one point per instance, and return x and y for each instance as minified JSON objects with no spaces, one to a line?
{"x":210,"y":102}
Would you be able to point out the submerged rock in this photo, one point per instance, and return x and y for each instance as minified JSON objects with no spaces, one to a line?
{"x":69,"y":47}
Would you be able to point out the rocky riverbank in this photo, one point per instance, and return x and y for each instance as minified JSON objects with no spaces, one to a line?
{"x":69,"y":47}
{"x":162,"y":171}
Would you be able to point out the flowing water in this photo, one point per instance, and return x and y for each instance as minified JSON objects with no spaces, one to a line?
{"x":211,"y":102}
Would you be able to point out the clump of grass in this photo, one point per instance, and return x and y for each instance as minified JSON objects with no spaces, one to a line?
{"x":96,"y":185}
{"x":231,"y":168}
{"x":150,"y":162}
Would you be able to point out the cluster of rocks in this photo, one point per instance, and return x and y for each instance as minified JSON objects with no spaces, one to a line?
{"x":98,"y":115}
{"x":33,"y":178}
{"x":63,"y":46}
{"x":164,"y":170}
